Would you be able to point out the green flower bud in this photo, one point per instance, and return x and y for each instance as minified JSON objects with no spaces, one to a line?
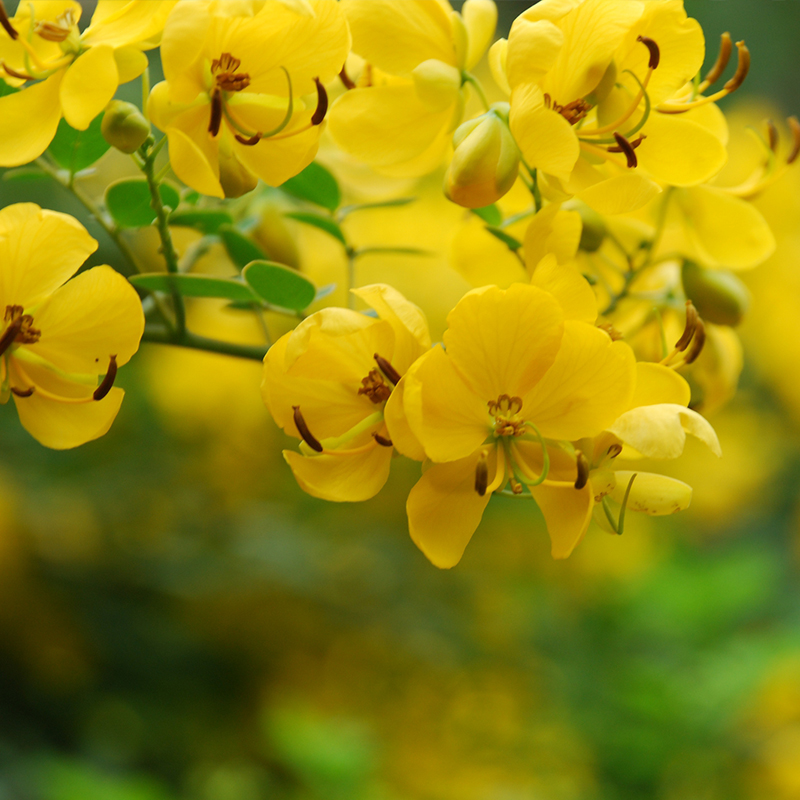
{"x":485,"y":162}
{"x":593,"y":230}
{"x":719,"y":296}
{"x":124,"y":126}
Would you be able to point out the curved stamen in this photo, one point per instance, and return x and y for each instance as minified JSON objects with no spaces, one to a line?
{"x":322,"y":104}
{"x":14,"y":74}
{"x":248,"y":135}
{"x":655,"y":53}
{"x":387,"y":369}
{"x":383,"y":441}
{"x":10,"y":334}
{"x":689,"y":327}
{"x":772,"y":136}
{"x":105,"y":387}
{"x":346,"y":79}
{"x":714,"y":74}
{"x":34,"y":387}
{"x":481,"y":474}
{"x":619,"y":525}
{"x":216,"y":112}
{"x":602,"y":153}
{"x":519,"y":471}
{"x":23,"y":392}
{"x":5,"y":22}
{"x":305,"y":433}
{"x":698,"y":340}
{"x":583,"y":471}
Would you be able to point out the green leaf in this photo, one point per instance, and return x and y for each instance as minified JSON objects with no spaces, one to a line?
{"x":6,"y":89}
{"x":205,"y":220}
{"x":240,"y":249}
{"x":280,"y":285}
{"x":318,"y":221}
{"x":491,"y":215}
{"x":510,"y":242}
{"x":399,"y":201}
{"x":196,"y":286}
{"x":316,"y":185}
{"x":392,"y":251}
{"x":128,"y":202}
{"x":75,"y":150}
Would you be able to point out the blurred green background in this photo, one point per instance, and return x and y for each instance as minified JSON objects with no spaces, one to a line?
{"x":178,"y":621}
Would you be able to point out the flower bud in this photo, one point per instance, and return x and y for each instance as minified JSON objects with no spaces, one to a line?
{"x":485,"y":163}
{"x":719,"y":296}
{"x":124,"y":126}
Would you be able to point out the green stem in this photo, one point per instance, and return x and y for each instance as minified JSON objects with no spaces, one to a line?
{"x":476,"y":84}
{"x":195,"y":342}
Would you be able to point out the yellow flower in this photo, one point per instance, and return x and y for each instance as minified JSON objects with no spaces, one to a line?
{"x":231,"y":104}
{"x":513,"y":373}
{"x":327,"y":383}
{"x":76,"y":73}
{"x":57,"y":339}
{"x":411,"y":94}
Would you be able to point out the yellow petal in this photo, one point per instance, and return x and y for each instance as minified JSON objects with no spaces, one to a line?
{"x":659,"y":431}
{"x":119,"y":23}
{"x":483,"y":259}
{"x":342,"y":477}
{"x":656,"y":495}
{"x":92,"y":317}
{"x":449,"y":420}
{"x":680,"y":152}
{"x":657,"y":384}
{"x":533,"y":48}
{"x":436,"y":83}
{"x":88,"y":86}
{"x":552,"y":230}
{"x":498,"y":59}
{"x":444,"y":510}
{"x":545,"y":138}
{"x":587,"y":388}
{"x":621,"y":194}
{"x":399,"y":430}
{"x":395,"y":37}
{"x":39,"y":250}
{"x":568,"y":286}
{"x":567,"y":512}
{"x":503,"y":341}
{"x":131,"y":62}
{"x":727,"y":231}
{"x":277,"y":161}
{"x":480,"y":18}
{"x":182,"y":44}
{"x":28,"y":121}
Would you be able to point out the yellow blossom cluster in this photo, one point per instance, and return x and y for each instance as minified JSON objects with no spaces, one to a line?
{"x":592,"y":320}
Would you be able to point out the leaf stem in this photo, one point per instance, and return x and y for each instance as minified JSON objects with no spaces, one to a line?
{"x":159,"y":335}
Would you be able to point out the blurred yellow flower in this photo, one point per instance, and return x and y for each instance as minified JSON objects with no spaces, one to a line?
{"x":327,"y":383}
{"x":76,"y":73}
{"x":231,"y":104}
{"x":57,"y":339}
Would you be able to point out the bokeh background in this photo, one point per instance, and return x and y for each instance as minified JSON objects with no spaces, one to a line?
{"x":178,"y":621}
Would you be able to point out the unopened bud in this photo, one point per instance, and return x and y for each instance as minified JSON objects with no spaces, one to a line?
{"x":485,"y":163}
{"x":719,"y":296}
{"x":124,"y":126}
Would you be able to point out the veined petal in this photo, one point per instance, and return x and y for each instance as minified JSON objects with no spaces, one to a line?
{"x":395,"y":37}
{"x":656,"y":384}
{"x":480,"y":19}
{"x":567,"y":511}
{"x":621,"y":194}
{"x":448,"y":419}
{"x":444,"y":509}
{"x":88,"y":86}
{"x":92,"y":317}
{"x":533,"y":48}
{"x":656,"y":495}
{"x":586,"y":389}
{"x":552,"y":230}
{"x":29,"y":120}
{"x":277,"y":161}
{"x":341,"y":476}
{"x":659,"y":431}
{"x":119,"y":23}
{"x":568,"y":286}
{"x":504,"y":341}
{"x":545,"y":138}
{"x":727,"y":231}
{"x":39,"y":250}
{"x":181,"y":50}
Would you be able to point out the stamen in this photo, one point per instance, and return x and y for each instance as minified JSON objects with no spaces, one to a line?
{"x":6,"y":22}
{"x":516,"y":486}
{"x":714,"y":74}
{"x":322,"y":104}
{"x":14,"y":74}
{"x":689,"y":329}
{"x":254,"y":139}
{"x":387,"y":369}
{"x":655,"y":53}
{"x":228,"y":78}
{"x":612,"y":332}
{"x":583,"y":471}
{"x":304,"y":432}
{"x":346,"y":79}
{"x":216,"y":112}
{"x":105,"y":387}
{"x":698,"y":340}
{"x":382,"y":440}
{"x":795,"y":151}
{"x":626,"y":147}
{"x":742,"y":68}
{"x":22,"y":392}
{"x":614,"y":450}
{"x":772,"y":136}
{"x":634,"y":144}
{"x":374,"y":387}
{"x":481,"y":474}
{"x":10,"y":333}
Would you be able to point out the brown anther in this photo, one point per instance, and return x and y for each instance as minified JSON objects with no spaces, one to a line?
{"x":742,"y":68}
{"x":573,"y":112}
{"x":725,"y":50}
{"x":583,"y":471}
{"x":14,"y":74}
{"x":322,"y":104}
{"x":227,"y":78}
{"x":346,"y":79}
{"x":255,"y":139}
{"x":373,"y":386}
{"x":481,"y":475}
{"x":59,"y":30}
{"x":548,"y":101}
{"x":22,"y":392}
{"x":655,"y":53}
{"x":20,"y":329}
{"x":626,"y":147}
{"x":634,"y":144}
{"x":505,"y":405}
{"x":382,"y":440}
{"x":305,"y":433}
{"x":614,"y":450}
{"x":612,"y":332}
{"x":688,"y":330}
{"x":216,"y":112}
{"x":105,"y":386}
{"x":772,"y":136}
{"x":10,"y":334}
{"x":6,"y":22}
{"x":698,"y":340}
{"x":794,"y":126}
{"x":387,"y":369}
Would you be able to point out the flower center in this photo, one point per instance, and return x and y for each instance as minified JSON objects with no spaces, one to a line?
{"x":59,"y":30}
{"x":572,"y":112}
{"x":19,"y":328}
{"x":226,"y":77}
{"x":507,"y":421}
{"x":374,"y":387}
